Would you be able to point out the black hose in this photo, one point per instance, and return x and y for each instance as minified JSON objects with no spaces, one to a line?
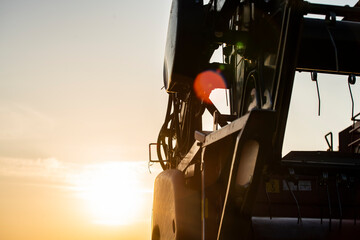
{"x":162,"y":135}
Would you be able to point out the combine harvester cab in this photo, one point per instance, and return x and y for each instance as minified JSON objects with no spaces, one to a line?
{"x":233,"y":182}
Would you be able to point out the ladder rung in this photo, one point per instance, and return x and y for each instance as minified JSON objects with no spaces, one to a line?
{"x":354,"y":142}
{"x":356,"y":127}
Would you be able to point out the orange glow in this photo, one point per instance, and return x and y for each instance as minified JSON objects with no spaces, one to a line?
{"x":207,"y":81}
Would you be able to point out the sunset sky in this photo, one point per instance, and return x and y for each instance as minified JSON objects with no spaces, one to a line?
{"x":81,"y":99}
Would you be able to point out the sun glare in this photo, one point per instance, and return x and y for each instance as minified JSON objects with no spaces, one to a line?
{"x":111,"y":192}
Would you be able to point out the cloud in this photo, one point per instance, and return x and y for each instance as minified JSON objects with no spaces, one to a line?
{"x":48,"y":171}
{"x":27,"y":166}
{"x":19,"y":121}
{"x":53,"y":172}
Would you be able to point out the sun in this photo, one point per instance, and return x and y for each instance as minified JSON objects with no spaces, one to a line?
{"x":111,"y":193}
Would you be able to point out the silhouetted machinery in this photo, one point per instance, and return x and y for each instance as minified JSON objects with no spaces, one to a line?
{"x":233,"y":182}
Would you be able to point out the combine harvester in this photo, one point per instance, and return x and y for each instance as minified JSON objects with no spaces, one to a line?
{"x":234,"y":182}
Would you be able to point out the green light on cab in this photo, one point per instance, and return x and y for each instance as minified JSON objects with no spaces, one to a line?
{"x":240,"y":45}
